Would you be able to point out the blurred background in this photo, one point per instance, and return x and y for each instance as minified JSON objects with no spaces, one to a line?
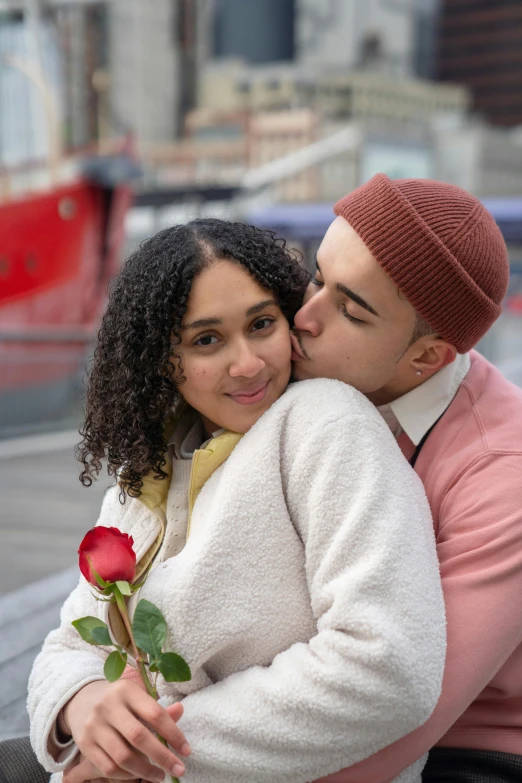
{"x":119,"y":117}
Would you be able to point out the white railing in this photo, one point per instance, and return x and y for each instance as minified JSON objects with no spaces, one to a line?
{"x":347,"y":139}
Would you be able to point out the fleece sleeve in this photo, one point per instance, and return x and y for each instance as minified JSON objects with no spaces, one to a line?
{"x":66,"y":663}
{"x":480,"y":551}
{"x":373,"y":671}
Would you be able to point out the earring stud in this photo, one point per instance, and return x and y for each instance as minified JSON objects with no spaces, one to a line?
{"x":419,"y":372}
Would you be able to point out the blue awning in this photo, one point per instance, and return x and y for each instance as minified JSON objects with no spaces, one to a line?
{"x":505,"y":209}
{"x":310,"y":220}
{"x":294,"y":221}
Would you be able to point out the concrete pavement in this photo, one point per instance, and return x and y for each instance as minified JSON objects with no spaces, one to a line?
{"x":44,"y":510}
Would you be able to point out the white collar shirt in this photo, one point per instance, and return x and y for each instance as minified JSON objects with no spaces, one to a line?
{"x":417,"y":411}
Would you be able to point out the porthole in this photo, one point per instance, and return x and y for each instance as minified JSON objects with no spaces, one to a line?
{"x":67,"y":208}
{"x":31,"y":263}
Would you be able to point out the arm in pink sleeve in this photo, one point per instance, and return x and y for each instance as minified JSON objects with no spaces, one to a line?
{"x":480,"y":551}
{"x":130,"y":673}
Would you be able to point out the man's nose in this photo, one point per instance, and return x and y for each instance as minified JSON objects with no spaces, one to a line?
{"x":306,"y":319}
{"x":246,"y":362}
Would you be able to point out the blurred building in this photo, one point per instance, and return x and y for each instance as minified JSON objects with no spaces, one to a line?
{"x":425,"y":43}
{"x":81,"y":31}
{"x":375,"y":35}
{"x":258,"y":32}
{"x":24,"y":124}
{"x":481,"y":46}
{"x":235,"y":86}
{"x":232,"y":142}
{"x":280,"y":108}
{"x":144,"y":64}
{"x":156,"y":50}
{"x":480,"y":158}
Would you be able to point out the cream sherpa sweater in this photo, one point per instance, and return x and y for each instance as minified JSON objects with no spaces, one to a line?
{"x":307,"y":600}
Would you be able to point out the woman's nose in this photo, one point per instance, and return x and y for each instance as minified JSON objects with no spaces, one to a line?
{"x":246,"y":362}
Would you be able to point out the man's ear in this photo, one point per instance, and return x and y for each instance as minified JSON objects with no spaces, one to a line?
{"x":431,"y":354}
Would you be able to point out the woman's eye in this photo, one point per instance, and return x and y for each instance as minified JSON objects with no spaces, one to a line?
{"x":262,"y":323}
{"x":315,"y":281}
{"x":351,"y":317}
{"x":206,"y":340}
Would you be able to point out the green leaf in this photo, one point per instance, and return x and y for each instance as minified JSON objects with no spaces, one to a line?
{"x":96,"y":597}
{"x":101,"y":636}
{"x":149,"y":628}
{"x":124,"y":588}
{"x":115,"y":666}
{"x":173,"y":667}
{"x":153,"y":668}
{"x":98,"y":578}
{"x":85,"y":627}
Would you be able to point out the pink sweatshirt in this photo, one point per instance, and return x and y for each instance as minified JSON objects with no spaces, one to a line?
{"x":471,"y":466}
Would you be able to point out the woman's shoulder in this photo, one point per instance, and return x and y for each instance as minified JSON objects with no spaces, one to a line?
{"x":116,"y":505}
{"x":132,"y":516}
{"x":317,"y":411}
{"x":327,"y":398}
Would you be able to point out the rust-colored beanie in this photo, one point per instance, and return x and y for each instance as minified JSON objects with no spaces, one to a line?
{"x":441,"y":247}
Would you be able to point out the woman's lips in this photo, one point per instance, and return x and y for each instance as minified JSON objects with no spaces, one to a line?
{"x":249,"y":397}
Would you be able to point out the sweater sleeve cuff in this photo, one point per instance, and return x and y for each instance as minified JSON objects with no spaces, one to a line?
{"x":62,"y":730}
{"x":66,"y":750}
{"x":63,"y":752}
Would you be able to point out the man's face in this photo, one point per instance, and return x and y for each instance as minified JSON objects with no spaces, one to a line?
{"x":354,"y":325}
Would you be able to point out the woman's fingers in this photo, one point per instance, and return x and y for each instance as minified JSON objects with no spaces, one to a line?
{"x":123,"y":760}
{"x":150,"y":712}
{"x":175,"y":710}
{"x":137,"y":730}
{"x":114,"y":728}
{"x":88,"y":772}
{"x":82,"y":772}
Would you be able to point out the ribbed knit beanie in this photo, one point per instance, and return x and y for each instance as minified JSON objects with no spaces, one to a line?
{"x":440,"y":246}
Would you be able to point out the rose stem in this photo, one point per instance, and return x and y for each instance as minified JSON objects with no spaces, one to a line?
{"x":138,"y":657}
{"x":151,"y":690}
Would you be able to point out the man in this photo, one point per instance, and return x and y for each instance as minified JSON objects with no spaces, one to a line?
{"x":410,"y":275}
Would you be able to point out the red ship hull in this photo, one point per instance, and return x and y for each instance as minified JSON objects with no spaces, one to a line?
{"x":58,"y":250}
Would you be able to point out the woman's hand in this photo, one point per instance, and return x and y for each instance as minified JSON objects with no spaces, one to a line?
{"x":107,"y":721}
{"x":85,"y":772}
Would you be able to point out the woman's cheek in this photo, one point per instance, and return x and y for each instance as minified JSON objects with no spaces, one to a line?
{"x":284,"y":346}
{"x":202,"y":373}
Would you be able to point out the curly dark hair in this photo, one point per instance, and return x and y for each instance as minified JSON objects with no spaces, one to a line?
{"x":132,"y":387}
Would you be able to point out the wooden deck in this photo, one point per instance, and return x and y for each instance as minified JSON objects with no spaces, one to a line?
{"x":44,"y":514}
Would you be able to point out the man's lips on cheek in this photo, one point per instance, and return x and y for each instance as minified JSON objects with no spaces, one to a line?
{"x":298,"y":352}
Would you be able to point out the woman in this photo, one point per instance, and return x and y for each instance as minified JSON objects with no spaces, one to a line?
{"x":306,"y":598}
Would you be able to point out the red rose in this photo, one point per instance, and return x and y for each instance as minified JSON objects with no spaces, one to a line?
{"x":110,"y":553}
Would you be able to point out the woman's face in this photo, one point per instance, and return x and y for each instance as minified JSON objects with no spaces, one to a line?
{"x":235,"y":347}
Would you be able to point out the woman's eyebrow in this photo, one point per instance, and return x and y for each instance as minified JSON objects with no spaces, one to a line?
{"x":203,"y":323}
{"x":260,"y":306}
